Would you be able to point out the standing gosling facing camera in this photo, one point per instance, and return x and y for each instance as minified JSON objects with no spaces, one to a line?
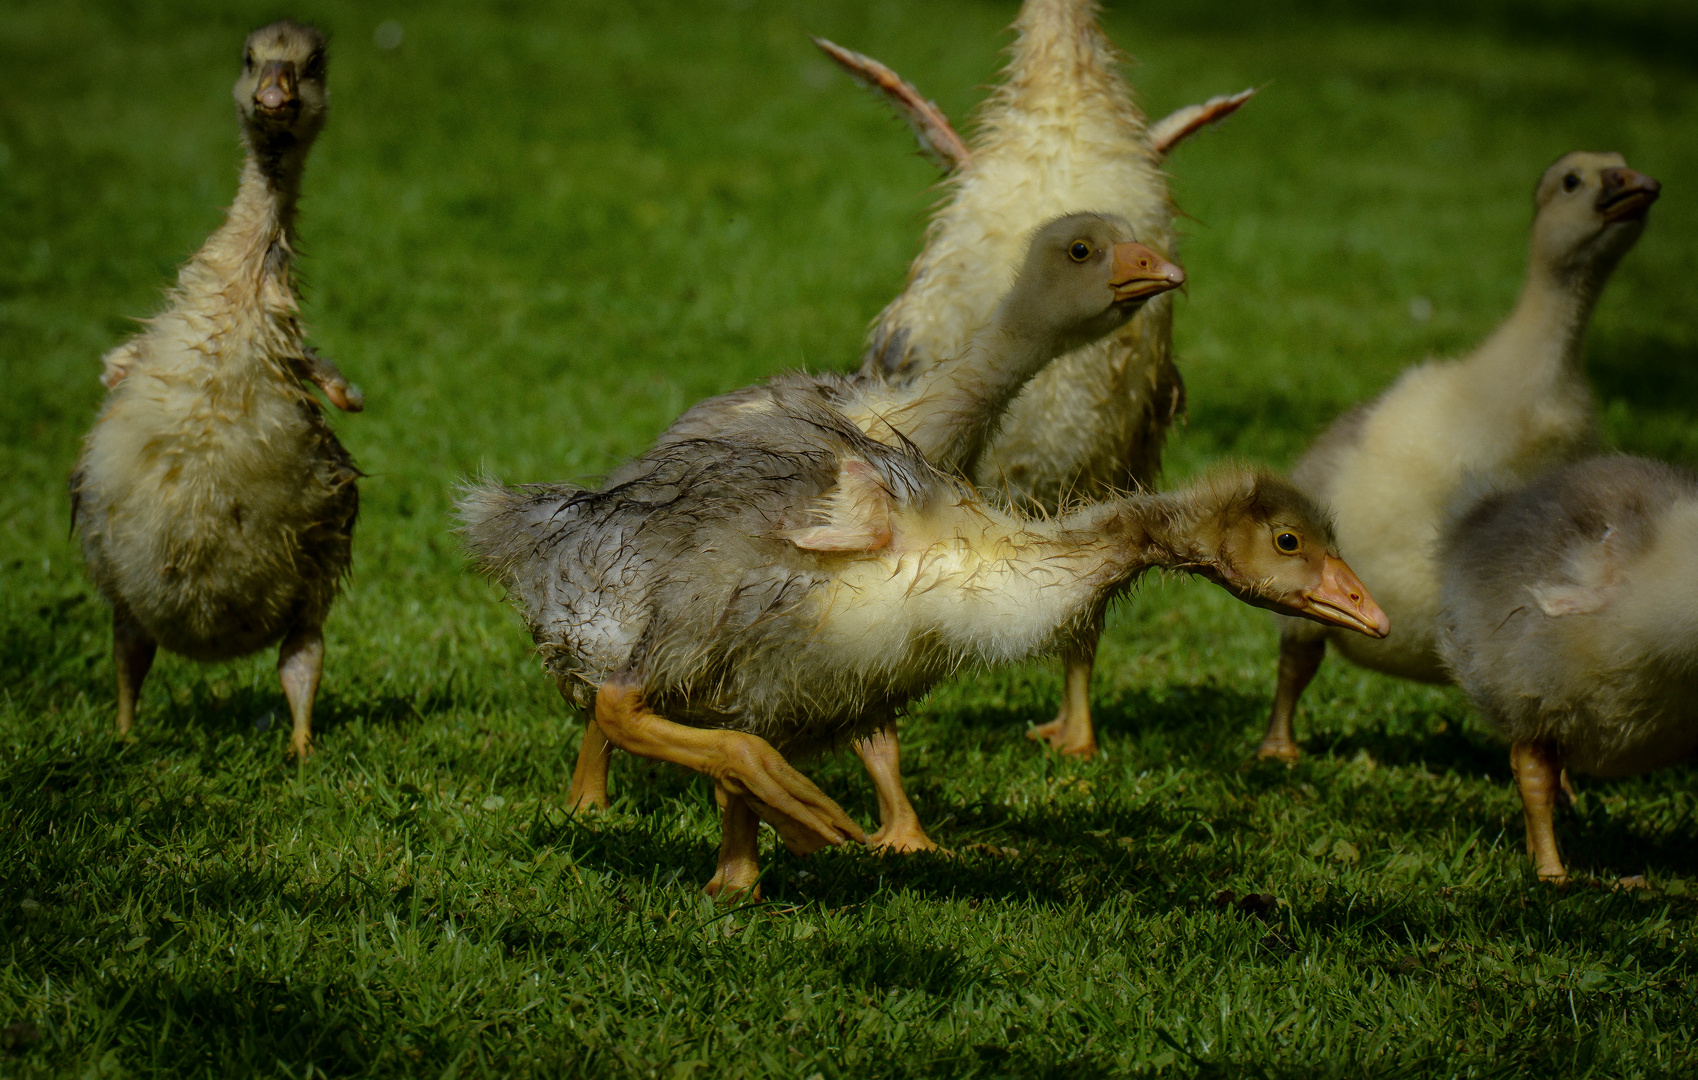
{"x":214,"y":504}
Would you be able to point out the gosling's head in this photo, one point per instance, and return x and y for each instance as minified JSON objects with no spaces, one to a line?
{"x":1084,"y":277}
{"x":1269,"y":544}
{"x":281,"y":91}
{"x":1589,"y":210}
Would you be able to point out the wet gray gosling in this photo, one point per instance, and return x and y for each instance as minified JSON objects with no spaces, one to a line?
{"x":214,"y":505}
{"x":1569,"y":619}
{"x":1390,"y":469}
{"x":1082,"y":277}
{"x":730,"y":603}
{"x":771,"y":579}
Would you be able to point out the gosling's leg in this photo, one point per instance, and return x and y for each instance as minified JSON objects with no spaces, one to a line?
{"x":132,"y":654}
{"x":300,"y":664}
{"x":1071,"y":732}
{"x":589,"y":776}
{"x":1538,"y":772}
{"x":739,"y":872}
{"x":1300,"y":657}
{"x":899,"y":826}
{"x":744,"y":765}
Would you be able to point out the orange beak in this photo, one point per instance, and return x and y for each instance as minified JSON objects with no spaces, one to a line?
{"x":1626,"y":194}
{"x":1341,"y":600}
{"x":276,"y":86}
{"x":1139,"y":273}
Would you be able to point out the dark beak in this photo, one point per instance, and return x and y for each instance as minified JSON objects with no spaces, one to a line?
{"x":276,"y":90}
{"x":1341,"y":600}
{"x":1626,"y":194}
{"x":1139,"y":273}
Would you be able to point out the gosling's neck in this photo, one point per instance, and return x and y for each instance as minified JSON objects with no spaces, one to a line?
{"x":1122,"y":538}
{"x":1542,"y":340}
{"x":251,"y":253}
{"x":953,"y":408}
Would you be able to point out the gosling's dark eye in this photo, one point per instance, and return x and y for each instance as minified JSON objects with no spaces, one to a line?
{"x":1287,"y":542}
{"x":1571,"y":181}
{"x":1080,"y":251}
{"x":248,"y":59}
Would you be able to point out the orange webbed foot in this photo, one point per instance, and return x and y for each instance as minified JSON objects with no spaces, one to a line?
{"x":902,"y":838}
{"x":805,"y":817}
{"x":1064,"y":738}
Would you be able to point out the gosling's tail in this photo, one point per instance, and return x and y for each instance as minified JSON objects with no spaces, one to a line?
{"x":505,"y":528}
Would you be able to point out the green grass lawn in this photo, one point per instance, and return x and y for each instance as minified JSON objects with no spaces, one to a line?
{"x":534,"y":234}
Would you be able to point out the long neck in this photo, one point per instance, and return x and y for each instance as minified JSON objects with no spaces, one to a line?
{"x":1136,"y":533}
{"x":254,"y":248}
{"x":950,"y":411}
{"x":1020,"y":585}
{"x":1542,"y":340}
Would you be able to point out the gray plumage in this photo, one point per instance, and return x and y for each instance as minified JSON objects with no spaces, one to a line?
{"x":690,"y":572}
{"x":786,"y":561}
{"x":679,"y":570}
{"x":1570,"y":613}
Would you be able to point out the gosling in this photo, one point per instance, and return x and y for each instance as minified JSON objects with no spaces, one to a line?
{"x":773,"y":578}
{"x":214,"y":505}
{"x":1390,"y":469}
{"x":1568,"y":619}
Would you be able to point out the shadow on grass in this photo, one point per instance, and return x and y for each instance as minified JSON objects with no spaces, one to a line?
{"x":252,"y":1024}
{"x":886,"y":961}
{"x":1454,"y":749}
{"x":635,"y":845}
{"x":1204,"y":715}
{"x":1611,"y":845}
{"x":1665,"y":31}
{"x":254,"y":709}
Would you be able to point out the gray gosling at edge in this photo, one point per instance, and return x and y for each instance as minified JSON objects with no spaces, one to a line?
{"x":771,"y":580}
{"x":1390,"y":469}
{"x":214,"y":505}
{"x":1569,"y":620}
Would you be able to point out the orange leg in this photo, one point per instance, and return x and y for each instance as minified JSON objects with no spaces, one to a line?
{"x":745,"y":766}
{"x":1071,"y":732}
{"x":132,"y":655}
{"x":739,"y":872}
{"x":899,"y":826}
{"x":1299,"y":659}
{"x":1538,"y":773}
{"x":300,"y":664}
{"x":589,"y":776}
